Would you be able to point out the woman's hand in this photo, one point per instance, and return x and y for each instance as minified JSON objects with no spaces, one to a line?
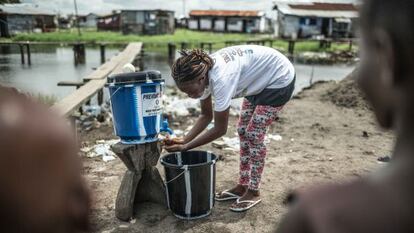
{"x":176,"y":147}
{"x":172,"y":141}
{"x":174,"y":144}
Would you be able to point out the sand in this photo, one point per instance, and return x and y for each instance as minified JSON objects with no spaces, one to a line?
{"x":329,"y":135}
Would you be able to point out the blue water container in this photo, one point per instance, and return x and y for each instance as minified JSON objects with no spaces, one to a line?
{"x":136,"y":105}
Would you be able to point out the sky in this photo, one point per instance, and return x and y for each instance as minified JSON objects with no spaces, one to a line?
{"x":179,"y":6}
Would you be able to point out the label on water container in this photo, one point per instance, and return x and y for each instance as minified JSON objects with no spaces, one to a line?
{"x":151,"y":104}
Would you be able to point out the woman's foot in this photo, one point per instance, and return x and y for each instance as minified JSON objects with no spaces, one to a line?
{"x":247,"y":201}
{"x":231,"y":194}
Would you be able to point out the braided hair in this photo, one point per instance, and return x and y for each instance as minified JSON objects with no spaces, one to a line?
{"x":191,"y":65}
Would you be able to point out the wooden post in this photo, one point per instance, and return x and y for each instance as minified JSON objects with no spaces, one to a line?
{"x":82,"y":53}
{"x":171,"y":50}
{"x":141,"y":59}
{"x":81,"y":108}
{"x":75,"y":53}
{"x":140,"y":65}
{"x":22,"y":53}
{"x":102,"y":48}
{"x":291,"y":48}
{"x":100,"y":97}
{"x":142,"y":181}
{"x":328,"y":43}
{"x":72,"y":121}
{"x":79,"y":53}
{"x":171,"y":53}
{"x":210,"y":46}
{"x":29,"y":59}
{"x":350,"y":44}
{"x":322,"y":44}
{"x":184,"y":45}
{"x":88,"y":102}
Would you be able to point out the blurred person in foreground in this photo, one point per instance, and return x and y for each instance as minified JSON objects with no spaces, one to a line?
{"x":383,"y":201}
{"x":41,"y":188}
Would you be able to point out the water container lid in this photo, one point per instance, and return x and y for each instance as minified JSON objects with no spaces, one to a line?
{"x":135,"y":77}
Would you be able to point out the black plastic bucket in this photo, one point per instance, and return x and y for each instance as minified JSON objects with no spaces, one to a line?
{"x":190,"y":183}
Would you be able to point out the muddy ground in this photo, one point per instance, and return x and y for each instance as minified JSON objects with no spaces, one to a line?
{"x":324,"y":139}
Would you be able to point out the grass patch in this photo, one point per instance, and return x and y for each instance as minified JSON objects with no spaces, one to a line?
{"x":313,"y":46}
{"x":159,"y":42}
{"x":343,"y":46}
{"x":180,"y":35}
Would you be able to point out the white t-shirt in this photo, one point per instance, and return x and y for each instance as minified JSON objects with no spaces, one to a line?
{"x":246,"y":70}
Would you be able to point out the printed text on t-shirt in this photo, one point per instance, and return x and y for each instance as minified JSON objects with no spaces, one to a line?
{"x":230,"y":53}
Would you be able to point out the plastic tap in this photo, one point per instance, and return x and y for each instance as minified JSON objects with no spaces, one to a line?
{"x":165,"y":127}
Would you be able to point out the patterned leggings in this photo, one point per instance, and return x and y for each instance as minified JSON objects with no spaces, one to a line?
{"x":252,"y":127}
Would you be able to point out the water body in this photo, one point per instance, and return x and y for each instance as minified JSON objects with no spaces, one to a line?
{"x":51,"y":65}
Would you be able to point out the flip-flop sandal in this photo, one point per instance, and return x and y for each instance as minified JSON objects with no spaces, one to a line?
{"x":228,"y":196}
{"x":241,"y":209}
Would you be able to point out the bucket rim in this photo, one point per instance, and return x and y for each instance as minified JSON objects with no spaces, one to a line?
{"x":193,"y":217}
{"x":170,"y":165}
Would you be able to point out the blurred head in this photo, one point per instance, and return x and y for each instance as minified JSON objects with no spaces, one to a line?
{"x":41,"y":188}
{"x":387,"y":61}
{"x":190,"y":72}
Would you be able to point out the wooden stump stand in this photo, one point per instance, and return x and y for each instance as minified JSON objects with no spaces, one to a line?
{"x":142,"y":181}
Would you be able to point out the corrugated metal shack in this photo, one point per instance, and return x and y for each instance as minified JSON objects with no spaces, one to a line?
{"x":25,"y":18}
{"x":229,"y":21}
{"x":141,"y":22}
{"x":111,"y":22}
{"x":305,"y":20}
{"x":89,"y":20}
{"x":147,"y":22}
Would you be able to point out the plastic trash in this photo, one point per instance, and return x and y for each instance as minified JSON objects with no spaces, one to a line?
{"x":93,"y":110}
{"x":128,"y":68}
{"x":102,"y":148}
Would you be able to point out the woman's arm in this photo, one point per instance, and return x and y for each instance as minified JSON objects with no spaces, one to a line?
{"x":220,"y":128}
{"x":203,"y":120}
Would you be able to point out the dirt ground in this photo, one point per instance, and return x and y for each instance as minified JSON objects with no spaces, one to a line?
{"x":324,"y":140}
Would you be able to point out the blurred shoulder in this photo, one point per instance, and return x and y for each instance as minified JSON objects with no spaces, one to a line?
{"x":358,"y":206}
{"x":23,"y":117}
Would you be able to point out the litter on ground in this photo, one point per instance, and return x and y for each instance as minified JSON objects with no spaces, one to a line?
{"x":101,"y":148}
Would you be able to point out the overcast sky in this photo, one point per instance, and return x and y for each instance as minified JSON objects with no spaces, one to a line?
{"x":106,"y":6}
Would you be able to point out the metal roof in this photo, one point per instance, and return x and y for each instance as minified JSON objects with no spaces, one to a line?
{"x":319,"y":9}
{"x":325,"y":6}
{"x":23,"y":9}
{"x":226,"y":13}
{"x":147,"y":10}
{"x":118,"y":12}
